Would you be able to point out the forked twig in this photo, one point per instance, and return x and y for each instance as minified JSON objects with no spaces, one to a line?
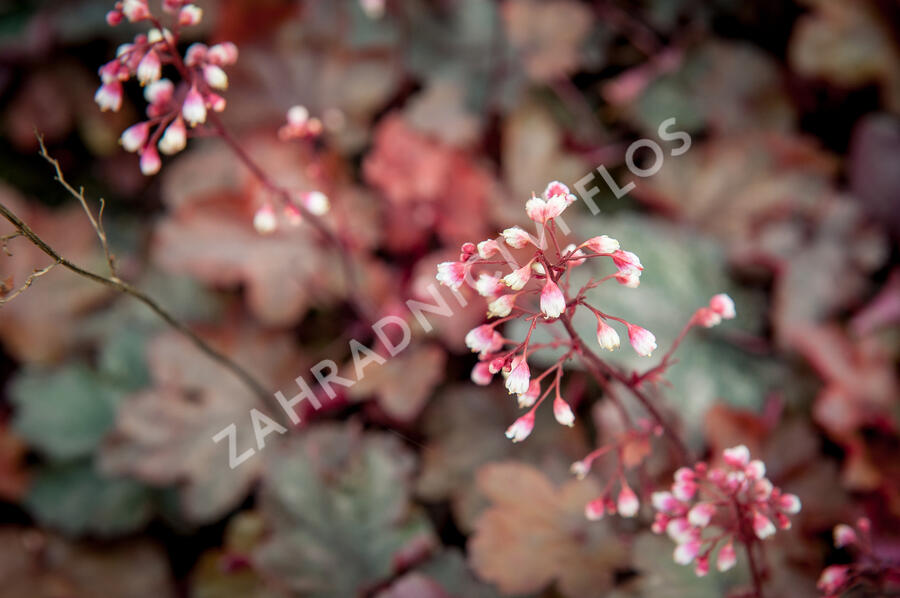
{"x":97,"y":222}
{"x":114,"y":282}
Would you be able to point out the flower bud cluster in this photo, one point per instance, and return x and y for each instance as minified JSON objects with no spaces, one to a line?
{"x":171,"y":110}
{"x":537,"y":290}
{"x":708,"y":507}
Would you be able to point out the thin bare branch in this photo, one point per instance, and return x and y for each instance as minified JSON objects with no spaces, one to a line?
{"x":5,"y":239}
{"x":97,"y":222}
{"x":31,"y":278}
{"x":123,"y":287}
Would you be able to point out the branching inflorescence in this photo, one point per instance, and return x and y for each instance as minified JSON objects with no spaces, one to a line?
{"x":737,"y":499}
{"x":176,"y":111}
{"x":709,"y":507}
{"x":544,"y":277}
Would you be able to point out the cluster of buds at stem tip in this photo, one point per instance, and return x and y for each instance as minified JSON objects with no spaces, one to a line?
{"x":300,"y":125}
{"x":537,"y":290}
{"x":171,"y":109}
{"x":709,"y":507}
{"x":835,"y":580}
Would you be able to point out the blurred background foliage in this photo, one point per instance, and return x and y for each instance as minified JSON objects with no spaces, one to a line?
{"x":441,"y":117}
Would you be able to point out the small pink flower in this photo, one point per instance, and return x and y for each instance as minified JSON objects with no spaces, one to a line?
{"x":133,"y":137}
{"x":626,"y":259}
{"x":215,"y":77}
{"x":150,"y":68}
{"x":113,"y":18}
{"x":595,"y":509}
{"x":580,"y":469}
{"x":680,"y":530}
{"x":738,"y":456}
{"x":159,"y":92}
{"x":488,"y":286}
{"x":528,"y":399}
{"x":495,"y":365}
{"x":501,"y":306}
{"x":627,"y":503}
{"x":701,"y":568}
{"x":264,"y":221}
{"x":701,"y":514}
{"x":602,"y":244}
{"x":519,"y":377}
{"x":553,"y":302}
{"x":451,"y":274}
{"x":707,"y":318}
{"x":629,"y":277}
{"x":521,"y":428}
{"x":150,"y":162}
{"x":555,"y":206}
{"x":135,"y":10}
{"x":223,"y":54}
{"x":536,"y":209}
{"x":607,"y":337}
{"x":190,"y":15}
{"x":109,"y":96}
{"x":687,"y":552}
{"x":215,"y":102}
{"x":723,"y":305}
{"x":642,"y":340}
{"x":484,"y":339}
{"x":684,"y":491}
{"x":755,"y":470}
{"x":515,"y":237}
{"x":762,"y":526}
{"x":789,"y":503}
{"x":315,"y":202}
{"x":844,"y":535}
{"x":518,"y":278}
{"x":481,"y":374}
{"x":665,"y":502}
{"x":833,"y":578}
{"x":194,"y":108}
{"x":174,"y":139}
{"x":195,"y":54}
{"x":555,"y":188}
{"x":488,"y":248}
{"x":563,"y":413}
{"x":727,"y":557}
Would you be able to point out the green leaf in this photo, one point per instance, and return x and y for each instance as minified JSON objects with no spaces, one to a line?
{"x":76,"y":500}
{"x":336,"y":502}
{"x":63,"y":413}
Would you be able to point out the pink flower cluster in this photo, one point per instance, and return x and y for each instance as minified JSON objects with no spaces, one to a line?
{"x":538,"y":291}
{"x":736,"y":500}
{"x":542,"y":276}
{"x":171,"y":109}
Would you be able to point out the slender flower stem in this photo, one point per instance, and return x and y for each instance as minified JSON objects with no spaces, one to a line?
{"x":600,"y":370}
{"x":321,"y":227}
{"x":747,"y":539}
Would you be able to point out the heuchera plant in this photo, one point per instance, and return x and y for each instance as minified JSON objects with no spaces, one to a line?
{"x":736,"y":499}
